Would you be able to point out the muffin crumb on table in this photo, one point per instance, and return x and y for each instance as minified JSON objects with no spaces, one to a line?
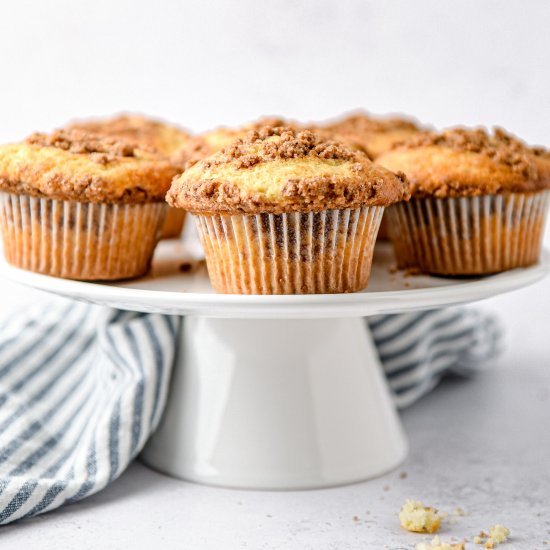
{"x":437,"y":544}
{"x":497,"y":535}
{"x":416,"y":517}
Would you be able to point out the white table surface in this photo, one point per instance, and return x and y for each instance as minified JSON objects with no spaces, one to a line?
{"x":482,"y":444}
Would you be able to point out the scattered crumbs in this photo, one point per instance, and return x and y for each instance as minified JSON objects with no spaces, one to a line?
{"x":191,"y":267}
{"x":406,"y":284}
{"x":411,"y":271}
{"x":356,"y":518}
{"x":392,"y":270}
{"x":437,"y":544}
{"x":403,"y":475}
{"x":497,"y":535}
{"x":367,"y":512}
{"x":386,"y":487}
{"x":459,"y":512}
{"x":268,"y":516}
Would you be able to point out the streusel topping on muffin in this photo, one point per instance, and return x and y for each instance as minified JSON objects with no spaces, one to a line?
{"x":204,"y":145}
{"x":277,"y":169}
{"x":147,"y":133}
{"x":373,"y":135}
{"x":466,"y":162}
{"x":85,"y":167}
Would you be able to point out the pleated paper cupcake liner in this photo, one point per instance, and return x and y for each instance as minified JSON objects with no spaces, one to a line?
{"x":469,"y":235}
{"x":296,"y":253}
{"x":79,"y":240}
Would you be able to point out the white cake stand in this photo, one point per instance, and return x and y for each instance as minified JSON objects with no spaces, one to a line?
{"x":277,"y":392}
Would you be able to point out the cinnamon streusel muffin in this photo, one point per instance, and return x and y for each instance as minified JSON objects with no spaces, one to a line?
{"x":167,"y":140}
{"x":81,"y":206}
{"x":478,"y":206}
{"x":287,"y":212}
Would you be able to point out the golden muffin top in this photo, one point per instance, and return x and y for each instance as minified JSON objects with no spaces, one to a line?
{"x":468,"y":162}
{"x":276,"y":170}
{"x":373,"y":135}
{"x":204,"y":145}
{"x":84,"y":167}
{"x":144,"y":132}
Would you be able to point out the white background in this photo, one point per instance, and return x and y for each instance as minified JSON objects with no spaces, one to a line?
{"x":203,"y":63}
{"x":484,"y":444}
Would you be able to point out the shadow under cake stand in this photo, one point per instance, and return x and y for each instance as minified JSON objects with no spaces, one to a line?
{"x":277,"y":392}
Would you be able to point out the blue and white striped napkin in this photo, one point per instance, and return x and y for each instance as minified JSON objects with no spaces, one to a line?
{"x":82,"y":388}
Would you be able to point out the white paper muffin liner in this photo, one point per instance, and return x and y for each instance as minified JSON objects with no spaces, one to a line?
{"x":294,"y":253}
{"x":469,"y":235}
{"x":79,"y":240}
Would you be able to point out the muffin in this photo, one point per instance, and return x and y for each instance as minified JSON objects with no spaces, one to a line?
{"x":150,"y":134}
{"x":478,"y":204}
{"x":81,"y":206}
{"x":287,"y":212}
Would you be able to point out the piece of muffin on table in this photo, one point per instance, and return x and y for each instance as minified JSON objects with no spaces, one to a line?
{"x":479,"y":202}
{"x":165,"y":139}
{"x":285,"y":211}
{"x":81,"y":206}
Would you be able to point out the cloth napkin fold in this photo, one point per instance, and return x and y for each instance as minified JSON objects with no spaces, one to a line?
{"x":82,"y":388}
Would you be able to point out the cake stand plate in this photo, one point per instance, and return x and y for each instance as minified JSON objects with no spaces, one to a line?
{"x":276,"y":392}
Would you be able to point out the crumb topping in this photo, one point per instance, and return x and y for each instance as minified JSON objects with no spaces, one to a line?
{"x":101,"y":149}
{"x":373,"y":136}
{"x":201,"y":146}
{"x":462,"y":162}
{"x":85,"y":167}
{"x":501,"y":147}
{"x":144,"y":132}
{"x":286,"y":143}
{"x":281,"y":169}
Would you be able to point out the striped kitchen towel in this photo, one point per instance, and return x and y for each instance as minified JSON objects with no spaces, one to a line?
{"x":82,"y":388}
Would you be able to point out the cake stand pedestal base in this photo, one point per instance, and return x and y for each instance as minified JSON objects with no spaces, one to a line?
{"x":277,"y":404}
